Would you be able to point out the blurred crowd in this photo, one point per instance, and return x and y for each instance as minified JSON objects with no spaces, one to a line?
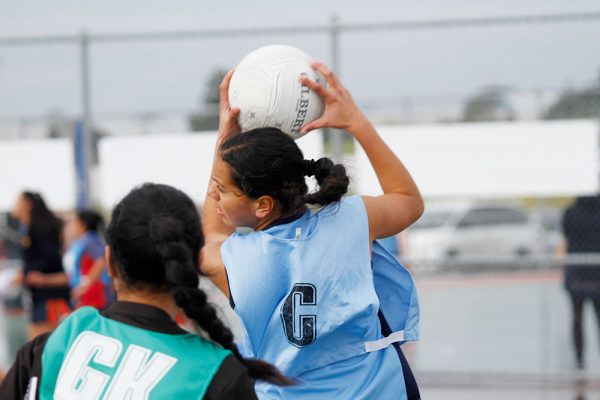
{"x":52,"y":266}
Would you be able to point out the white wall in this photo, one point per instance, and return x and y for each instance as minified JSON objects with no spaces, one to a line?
{"x":482,"y":160}
{"x":46,"y":166}
{"x":180,"y":160}
{"x":558,"y":158}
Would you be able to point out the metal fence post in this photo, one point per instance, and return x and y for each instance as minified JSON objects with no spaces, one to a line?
{"x":87,"y":131}
{"x":335,"y":135}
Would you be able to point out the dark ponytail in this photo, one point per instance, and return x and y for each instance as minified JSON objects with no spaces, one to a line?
{"x":266,"y":161}
{"x":332,"y":179}
{"x":155,"y":237}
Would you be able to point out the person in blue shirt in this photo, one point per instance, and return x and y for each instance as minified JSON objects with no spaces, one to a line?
{"x":318,"y":296}
{"x":85,"y":264}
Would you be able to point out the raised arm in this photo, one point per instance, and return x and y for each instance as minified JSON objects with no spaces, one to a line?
{"x":40,"y":279}
{"x":216,"y":231}
{"x":401,"y":204}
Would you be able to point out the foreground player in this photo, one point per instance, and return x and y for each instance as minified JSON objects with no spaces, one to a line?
{"x":134,"y":349}
{"x":318,"y":296}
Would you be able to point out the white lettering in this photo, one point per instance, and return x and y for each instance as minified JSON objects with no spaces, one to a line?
{"x":76,"y":379}
{"x":139,"y":373}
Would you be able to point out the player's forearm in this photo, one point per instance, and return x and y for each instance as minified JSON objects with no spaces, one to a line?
{"x":56,"y":279}
{"x":97,"y":269}
{"x":391,"y":173}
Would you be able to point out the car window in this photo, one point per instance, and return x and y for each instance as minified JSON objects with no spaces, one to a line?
{"x":433,"y":219}
{"x":492,"y":216}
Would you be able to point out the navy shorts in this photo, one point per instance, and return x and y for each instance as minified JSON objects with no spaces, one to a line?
{"x":50,"y":310}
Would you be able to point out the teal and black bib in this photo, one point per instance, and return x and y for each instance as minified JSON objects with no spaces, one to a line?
{"x":92,"y":357}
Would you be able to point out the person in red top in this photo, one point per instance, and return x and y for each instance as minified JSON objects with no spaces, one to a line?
{"x":85,"y":264}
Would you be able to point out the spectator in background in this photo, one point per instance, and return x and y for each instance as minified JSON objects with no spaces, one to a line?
{"x":41,"y":248}
{"x":581,"y":228}
{"x":14,"y":316}
{"x":14,"y":329}
{"x":85,"y":265}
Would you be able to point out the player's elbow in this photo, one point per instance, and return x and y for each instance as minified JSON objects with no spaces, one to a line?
{"x":418,"y":208}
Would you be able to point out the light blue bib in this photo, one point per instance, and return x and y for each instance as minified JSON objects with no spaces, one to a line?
{"x":308,"y":294}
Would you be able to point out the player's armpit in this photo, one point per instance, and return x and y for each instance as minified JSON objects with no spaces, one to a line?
{"x":391,"y":213}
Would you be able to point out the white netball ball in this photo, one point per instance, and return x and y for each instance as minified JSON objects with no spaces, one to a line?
{"x":266,"y":89}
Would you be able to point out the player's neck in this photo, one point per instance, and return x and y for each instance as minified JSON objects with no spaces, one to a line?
{"x":164,"y":301}
{"x":266,"y":222}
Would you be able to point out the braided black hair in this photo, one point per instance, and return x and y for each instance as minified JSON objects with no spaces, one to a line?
{"x":266,"y":161}
{"x":155,"y":237}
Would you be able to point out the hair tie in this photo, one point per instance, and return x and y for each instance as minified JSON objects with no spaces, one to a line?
{"x":310,"y":167}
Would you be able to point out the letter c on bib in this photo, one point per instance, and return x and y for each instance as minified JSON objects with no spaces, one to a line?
{"x":299,"y":315}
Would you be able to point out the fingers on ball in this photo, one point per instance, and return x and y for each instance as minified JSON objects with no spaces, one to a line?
{"x":314,"y":86}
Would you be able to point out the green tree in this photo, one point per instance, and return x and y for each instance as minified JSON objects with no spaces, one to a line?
{"x":490,"y":104}
{"x":207,"y":119}
{"x":576,"y":104}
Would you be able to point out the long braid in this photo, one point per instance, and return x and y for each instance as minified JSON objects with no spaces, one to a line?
{"x":182,"y":274}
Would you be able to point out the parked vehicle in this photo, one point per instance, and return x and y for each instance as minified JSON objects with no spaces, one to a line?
{"x":551,"y":218}
{"x":470,"y":230}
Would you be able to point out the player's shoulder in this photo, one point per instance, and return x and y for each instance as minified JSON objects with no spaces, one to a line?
{"x":348,"y":208}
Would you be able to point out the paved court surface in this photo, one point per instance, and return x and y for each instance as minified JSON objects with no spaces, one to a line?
{"x":500,"y":322}
{"x":486,"y":324}
{"x":511,"y":394}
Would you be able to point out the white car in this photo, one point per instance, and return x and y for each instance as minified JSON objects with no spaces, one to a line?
{"x":469,"y":230}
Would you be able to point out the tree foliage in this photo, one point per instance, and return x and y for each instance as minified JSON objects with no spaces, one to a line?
{"x":207,"y":119}
{"x":576,"y":104}
{"x":491,"y":104}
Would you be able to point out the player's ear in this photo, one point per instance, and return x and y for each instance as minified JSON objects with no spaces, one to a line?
{"x":110,"y":262}
{"x":264,"y":206}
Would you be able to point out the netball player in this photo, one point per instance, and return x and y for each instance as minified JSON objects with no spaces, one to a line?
{"x":134,"y":349}
{"x":317,"y":295}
